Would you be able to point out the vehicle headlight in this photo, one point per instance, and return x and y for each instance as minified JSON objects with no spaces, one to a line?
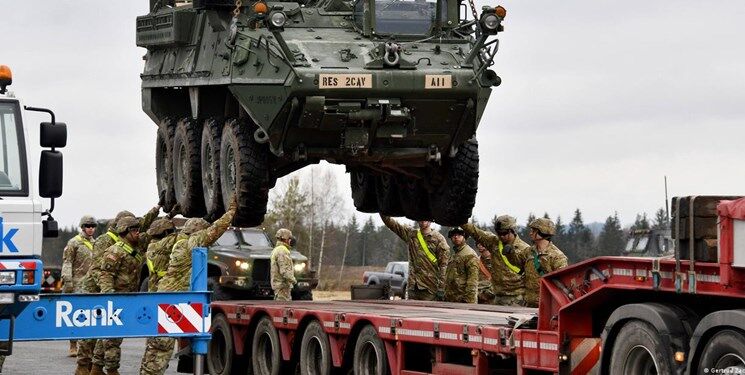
{"x":299,"y":267}
{"x":8,"y":277}
{"x":490,"y":21}
{"x":277,"y":19}
{"x":245,"y":266}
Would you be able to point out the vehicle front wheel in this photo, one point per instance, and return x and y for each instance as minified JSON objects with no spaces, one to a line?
{"x":187,"y":176}
{"x":164,"y":161}
{"x":218,"y":292}
{"x":363,"y":191}
{"x":210,"y":162}
{"x":724,"y":351}
{"x":453,"y":200}
{"x":638,"y":349}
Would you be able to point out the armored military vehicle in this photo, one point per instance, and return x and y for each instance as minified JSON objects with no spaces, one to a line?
{"x":244,"y":93}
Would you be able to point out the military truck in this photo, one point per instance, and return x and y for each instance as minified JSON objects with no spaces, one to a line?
{"x":649,"y":243}
{"x":243,"y":93}
{"x":239,"y":267}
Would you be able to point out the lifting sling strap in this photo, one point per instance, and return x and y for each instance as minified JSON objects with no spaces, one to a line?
{"x":85,"y":242}
{"x":151,"y":267}
{"x":113,"y":236}
{"x":506,"y":261}
{"x":537,"y":264}
{"x":423,"y":244}
{"x":130,"y":250}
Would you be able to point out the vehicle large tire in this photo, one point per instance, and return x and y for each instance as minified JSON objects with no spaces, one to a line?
{"x":218,"y":292}
{"x":221,"y":356}
{"x":638,"y":349}
{"x":244,"y":170}
{"x":210,"y":164}
{"x":305,"y":295}
{"x":414,"y":199}
{"x":370,"y":357}
{"x":363,"y":191}
{"x":725,"y":350}
{"x":164,"y":161}
{"x":315,"y":351}
{"x":266,"y":358}
{"x":453,"y":200}
{"x":187,"y":171}
{"x":386,"y":194}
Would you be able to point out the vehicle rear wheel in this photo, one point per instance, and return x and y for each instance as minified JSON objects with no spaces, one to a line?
{"x":414,"y":199}
{"x":164,"y":161}
{"x":244,"y":170}
{"x":221,"y":356}
{"x":363,"y":191}
{"x":370,"y":357}
{"x":725,"y":350}
{"x":210,"y":157}
{"x":315,"y":351}
{"x":638,"y":349}
{"x":187,"y":176}
{"x":265,"y":348}
{"x":386,"y":194}
{"x":453,"y":200}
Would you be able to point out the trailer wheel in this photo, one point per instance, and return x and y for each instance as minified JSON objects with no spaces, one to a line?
{"x":265,"y":348}
{"x":638,"y":349}
{"x":221,"y":357}
{"x":453,"y":200}
{"x":315,"y":351}
{"x":210,"y":157}
{"x":386,"y":193}
{"x":187,"y":169}
{"x":370,"y":357}
{"x":363,"y":191}
{"x":725,"y":350}
{"x":164,"y":161}
{"x":244,"y":170}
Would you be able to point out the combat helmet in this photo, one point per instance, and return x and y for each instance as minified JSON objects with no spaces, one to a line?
{"x":113,"y":222}
{"x":283,"y":234}
{"x":456,"y":230}
{"x":194,"y":224}
{"x":123,"y":224}
{"x":544,"y":226}
{"x":159,"y":227}
{"x":87,"y":220}
{"x":504,"y":223}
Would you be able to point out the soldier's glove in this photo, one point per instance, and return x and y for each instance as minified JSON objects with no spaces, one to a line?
{"x":174,"y":211}
{"x":162,"y":198}
{"x":507,"y":249}
{"x":440,"y":295}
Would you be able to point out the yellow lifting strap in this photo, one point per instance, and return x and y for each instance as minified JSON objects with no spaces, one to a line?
{"x":423,"y":244}
{"x":151,"y":267}
{"x":506,"y":261}
{"x":85,"y":242}
{"x":130,"y":250}
{"x":114,"y":236}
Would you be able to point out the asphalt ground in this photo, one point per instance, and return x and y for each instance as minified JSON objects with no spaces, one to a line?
{"x":50,"y":357}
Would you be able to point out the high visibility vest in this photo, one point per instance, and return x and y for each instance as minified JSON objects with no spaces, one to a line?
{"x":151,"y":267}
{"x":423,"y":244}
{"x":85,"y":242}
{"x":506,"y":261}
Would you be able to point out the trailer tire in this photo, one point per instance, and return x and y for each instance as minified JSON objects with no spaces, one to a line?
{"x":638,"y":349}
{"x":187,"y":168}
{"x":210,"y":162}
{"x":725,"y":350}
{"x":221,"y":356}
{"x":370,"y":357}
{"x":315,"y":351}
{"x":265,"y":349}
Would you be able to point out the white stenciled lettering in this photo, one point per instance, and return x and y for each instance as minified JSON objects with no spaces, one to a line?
{"x":109,"y":316}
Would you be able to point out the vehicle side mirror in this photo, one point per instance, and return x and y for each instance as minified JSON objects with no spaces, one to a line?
{"x":399,"y":273}
{"x":50,"y":174}
{"x":53,"y":135}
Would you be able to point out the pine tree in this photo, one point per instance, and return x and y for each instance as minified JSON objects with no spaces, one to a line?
{"x":641,"y":222}
{"x":660,"y":220}
{"x":611,"y":239}
{"x":560,"y":238}
{"x":580,"y":240}
{"x":526,"y":230}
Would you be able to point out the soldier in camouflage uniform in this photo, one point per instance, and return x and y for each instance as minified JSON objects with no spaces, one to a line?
{"x":541,"y":258}
{"x":282,"y":269}
{"x":486,"y":292}
{"x":507,"y":276}
{"x":196,"y":233}
{"x":462,"y":277}
{"x":428,"y":259}
{"x":91,"y":352}
{"x":76,"y":259}
{"x":163,"y":236}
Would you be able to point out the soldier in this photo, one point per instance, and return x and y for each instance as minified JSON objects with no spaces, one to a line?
{"x":486,"y":292}
{"x":507,"y":278}
{"x":92,"y":351}
{"x":76,"y":259}
{"x":196,"y":233}
{"x":282,"y":269}
{"x":462,"y":279}
{"x":541,"y":258}
{"x":428,"y":259}
{"x":163,"y":236}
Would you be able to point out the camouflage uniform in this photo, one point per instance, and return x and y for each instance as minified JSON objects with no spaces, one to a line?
{"x":76,"y":259}
{"x":507,"y":278}
{"x":486,"y":292}
{"x":159,"y":251}
{"x":282,"y":269}
{"x":462,"y":278}
{"x":158,"y":350}
{"x":426,"y":277}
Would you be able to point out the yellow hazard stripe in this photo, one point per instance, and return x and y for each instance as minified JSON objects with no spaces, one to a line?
{"x":423,"y":244}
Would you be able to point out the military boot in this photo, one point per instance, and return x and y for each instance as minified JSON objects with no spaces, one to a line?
{"x":97,"y":370}
{"x":73,"y":349}
{"x":82,"y":370}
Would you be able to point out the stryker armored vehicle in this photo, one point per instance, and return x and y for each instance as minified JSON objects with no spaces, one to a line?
{"x":244,"y":93}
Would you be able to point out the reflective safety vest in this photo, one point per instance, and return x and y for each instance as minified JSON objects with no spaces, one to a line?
{"x":423,"y":244}
{"x":85,"y":242}
{"x":506,"y":261}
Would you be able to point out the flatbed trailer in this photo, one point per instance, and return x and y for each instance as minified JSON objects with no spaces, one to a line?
{"x":609,"y":315}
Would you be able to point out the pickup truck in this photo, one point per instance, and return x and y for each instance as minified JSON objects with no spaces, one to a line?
{"x":396,"y":275}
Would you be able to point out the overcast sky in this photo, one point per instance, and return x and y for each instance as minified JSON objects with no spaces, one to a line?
{"x":600,"y":100}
